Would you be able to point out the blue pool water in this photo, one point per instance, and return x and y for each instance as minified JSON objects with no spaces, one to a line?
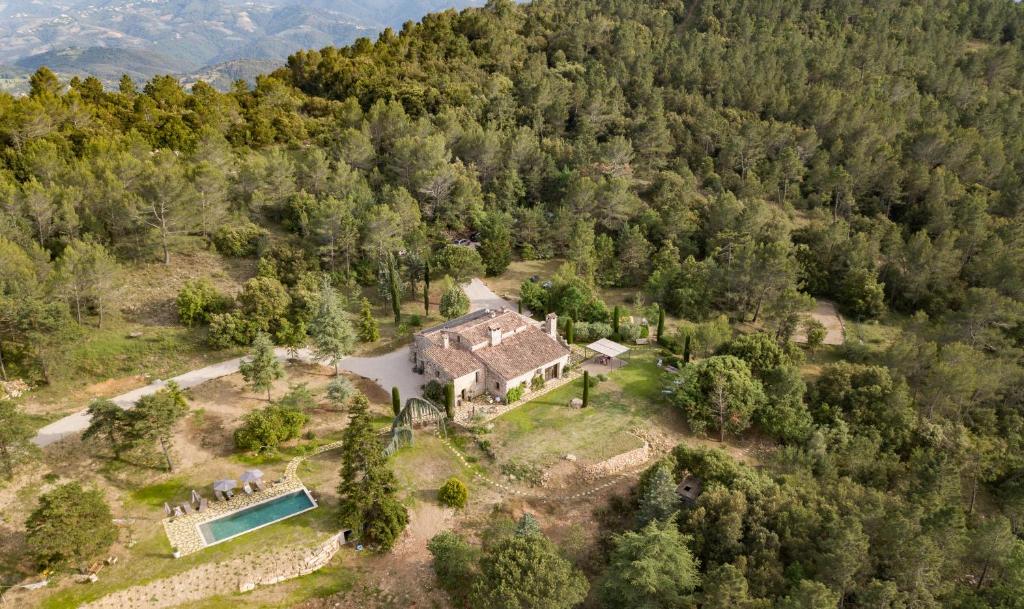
{"x":257,"y":516}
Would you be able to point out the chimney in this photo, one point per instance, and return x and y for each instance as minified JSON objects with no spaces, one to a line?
{"x":552,"y":325}
{"x":495,"y":335}
{"x":444,"y":340}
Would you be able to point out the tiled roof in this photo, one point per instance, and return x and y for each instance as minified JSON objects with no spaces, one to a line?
{"x":478,"y":331}
{"x":521,"y":353}
{"x":456,"y":362}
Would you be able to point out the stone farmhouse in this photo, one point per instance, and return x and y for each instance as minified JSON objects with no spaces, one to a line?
{"x":490,"y":351}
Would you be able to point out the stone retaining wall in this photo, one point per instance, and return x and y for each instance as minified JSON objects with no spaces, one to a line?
{"x":618,"y":463}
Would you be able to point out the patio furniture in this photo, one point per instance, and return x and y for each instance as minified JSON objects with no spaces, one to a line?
{"x":229,"y":495}
{"x":187,"y":507}
{"x":177,"y":512}
{"x":251,"y":476}
{"x":203,"y":504}
{"x":167,"y":509}
{"x":259,"y":485}
{"x":225,"y":486}
{"x":219,"y":495}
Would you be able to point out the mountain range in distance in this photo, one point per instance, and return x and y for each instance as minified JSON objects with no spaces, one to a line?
{"x":218,"y":41}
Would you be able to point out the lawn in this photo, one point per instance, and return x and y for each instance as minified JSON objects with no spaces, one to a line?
{"x":546,"y":429}
{"x":423,"y":467}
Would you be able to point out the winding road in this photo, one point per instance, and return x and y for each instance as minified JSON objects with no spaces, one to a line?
{"x":389,"y":370}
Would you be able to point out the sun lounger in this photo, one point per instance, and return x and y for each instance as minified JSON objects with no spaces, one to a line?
{"x":247,"y":489}
{"x":187,"y":507}
{"x":259,"y":485}
{"x":219,"y":495}
{"x":229,"y":495}
{"x":203,"y":504}
{"x":177,"y":512}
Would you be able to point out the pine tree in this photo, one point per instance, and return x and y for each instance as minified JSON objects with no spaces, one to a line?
{"x":262,"y":368}
{"x":155,"y":416}
{"x":16,"y":433}
{"x":369,"y":332}
{"x":368,"y":487}
{"x":331,"y":333}
{"x":658,"y":498}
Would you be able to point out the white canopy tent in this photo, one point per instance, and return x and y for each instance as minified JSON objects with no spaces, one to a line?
{"x":610,"y":349}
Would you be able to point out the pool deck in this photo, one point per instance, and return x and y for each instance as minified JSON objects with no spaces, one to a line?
{"x":183,"y":531}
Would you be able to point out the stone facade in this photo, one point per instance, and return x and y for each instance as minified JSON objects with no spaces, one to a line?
{"x":489,"y":352}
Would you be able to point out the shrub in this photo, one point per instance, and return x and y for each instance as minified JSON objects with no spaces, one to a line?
{"x":531,"y":474}
{"x":71,"y":526}
{"x":453,"y":493}
{"x":587,"y":332}
{"x":630,"y":332}
{"x":515,"y":394}
{"x":239,"y":241}
{"x":230,"y":330}
{"x":454,"y":563}
{"x":265,"y":429}
{"x":536,"y":382}
{"x":434,"y":392}
{"x":340,"y":390}
{"x":198,"y":300}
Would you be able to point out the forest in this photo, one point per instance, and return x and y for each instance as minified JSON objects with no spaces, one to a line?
{"x":733,"y":158}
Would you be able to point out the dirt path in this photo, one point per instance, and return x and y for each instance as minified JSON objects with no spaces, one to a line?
{"x":826,"y":313}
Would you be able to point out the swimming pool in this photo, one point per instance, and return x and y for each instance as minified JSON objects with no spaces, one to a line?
{"x":257,"y":516}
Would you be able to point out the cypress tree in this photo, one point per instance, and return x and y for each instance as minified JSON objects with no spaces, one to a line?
{"x":519,"y":307}
{"x":586,"y":388}
{"x":686,"y":351}
{"x":396,"y":301}
{"x":615,"y":321}
{"x":396,"y":401}
{"x":570,"y":331}
{"x":661,"y":325}
{"x":449,"y":400}
{"x":426,"y":287}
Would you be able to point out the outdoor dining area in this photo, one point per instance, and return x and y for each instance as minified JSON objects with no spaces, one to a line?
{"x":606,"y":354}
{"x":223,"y":491}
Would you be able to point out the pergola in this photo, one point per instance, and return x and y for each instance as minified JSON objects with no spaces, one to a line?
{"x":610,"y":349}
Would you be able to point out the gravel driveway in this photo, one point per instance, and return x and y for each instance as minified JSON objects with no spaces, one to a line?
{"x":482,"y":297}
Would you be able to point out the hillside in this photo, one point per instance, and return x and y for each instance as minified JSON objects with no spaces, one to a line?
{"x":693,"y":179}
{"x":142,"y":39}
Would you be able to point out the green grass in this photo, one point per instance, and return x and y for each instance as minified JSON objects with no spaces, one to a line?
{"x":545,"y":429}
{"x":155,"y":495}
{"x":424,"y":466}
{"x":110,"y":353}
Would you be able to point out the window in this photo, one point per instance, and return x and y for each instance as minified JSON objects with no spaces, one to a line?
{"x":497,"y":386}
